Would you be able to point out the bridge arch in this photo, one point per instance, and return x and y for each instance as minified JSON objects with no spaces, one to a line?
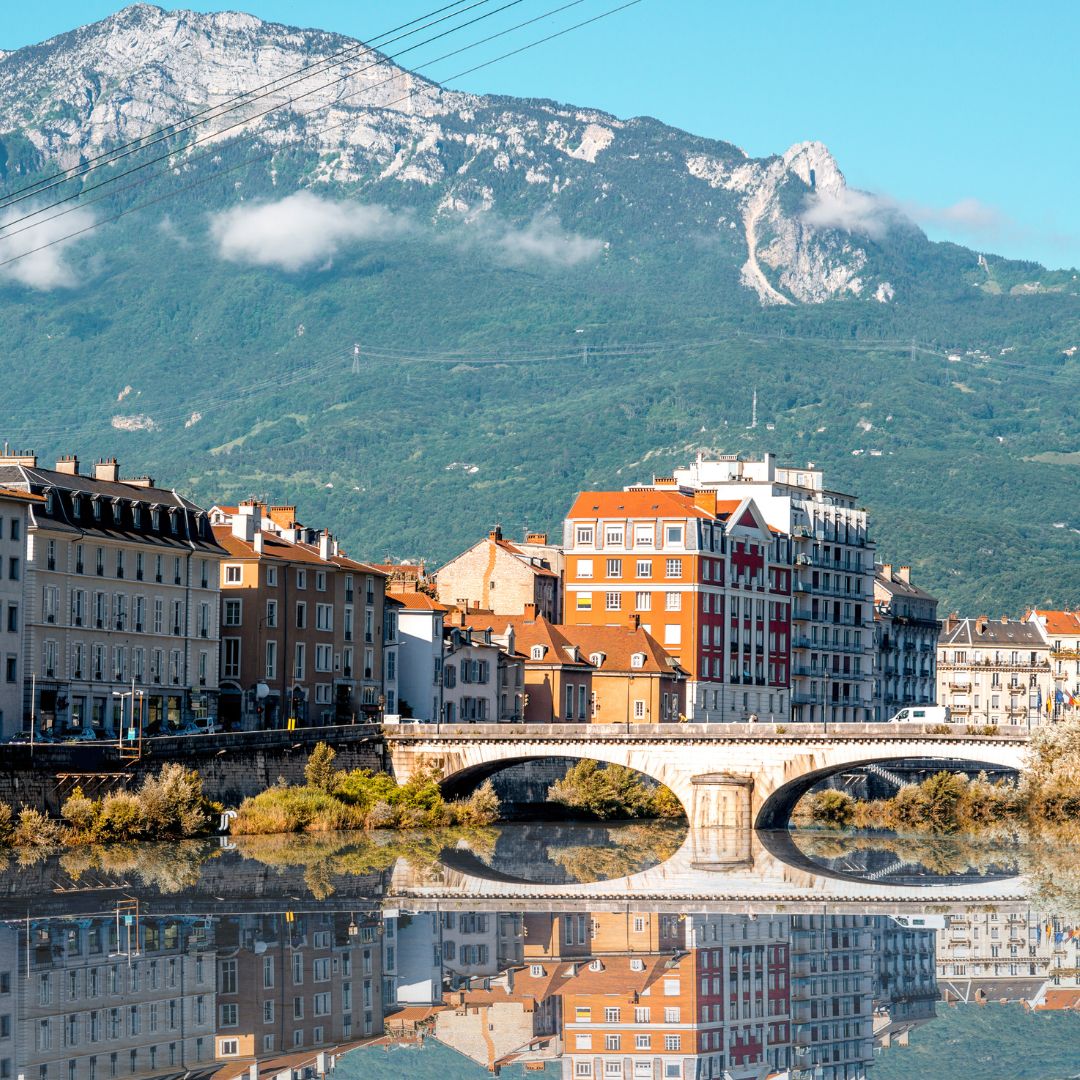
{"x":776,"y":809}
{"x":725,"y":775}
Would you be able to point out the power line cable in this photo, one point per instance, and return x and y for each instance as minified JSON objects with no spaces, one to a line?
{"x":37,"y":213}
{"x":273,"y":150}
{"x":201,"y":116}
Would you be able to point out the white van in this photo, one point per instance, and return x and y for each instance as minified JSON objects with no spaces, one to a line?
{"x":922,"y":714}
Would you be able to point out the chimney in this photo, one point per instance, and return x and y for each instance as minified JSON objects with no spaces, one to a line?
{"x":68,"y":465}
{"x":139,"y":482}
{"x":633,"y":620}
{"x":904,"y":574}
{"x":980,"y":624}
{"x":1004,"y":619}
{"x":496,"y":533}
{"x":18,"y":457}
{"x":106,"y":469}
{"x":706,"y":500}
{"x":886,"y":571}
{"x":530,"y":612}
{"x":536,"y":538}
{"x":282,"y":516}
{"x":243,"y":522}
{"x":257,"y":542}
{"x":325,"y":545}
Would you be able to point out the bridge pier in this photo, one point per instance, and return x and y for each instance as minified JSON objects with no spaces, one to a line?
{"x":720,"y":800}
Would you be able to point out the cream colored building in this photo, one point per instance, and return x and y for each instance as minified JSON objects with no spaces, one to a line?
{"x":499,"y":576}
{"x":120,"y":593}
{"x":906,"y":631}
{"x":1061,"y":632}
{"x":14,"y":518}
{"x":993,"y":671}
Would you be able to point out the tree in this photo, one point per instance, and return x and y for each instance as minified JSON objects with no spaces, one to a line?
{"x":319,"y":772}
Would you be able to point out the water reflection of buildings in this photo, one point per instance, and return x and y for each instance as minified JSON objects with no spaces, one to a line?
{"x":649,"y":996}
{"x":635,"y":995}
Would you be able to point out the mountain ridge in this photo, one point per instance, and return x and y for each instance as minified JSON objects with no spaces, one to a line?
{"x":604,"y":263}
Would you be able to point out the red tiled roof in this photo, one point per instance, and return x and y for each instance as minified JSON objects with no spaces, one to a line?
{"x":527,"y":633}
{"x":24,"y":496}
{"x":1059,"y":622}
{"x":273,"y":548}
{"x":417,"y":601}
{"x":639,"y":504}
{"x":618,"y":644}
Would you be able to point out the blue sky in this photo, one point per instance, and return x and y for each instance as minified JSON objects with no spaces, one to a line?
{"x":964,"y":112}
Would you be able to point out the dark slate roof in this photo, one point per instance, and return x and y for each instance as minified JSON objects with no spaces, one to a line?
{"x":897,"y":587}
{"x":1012,"y":633}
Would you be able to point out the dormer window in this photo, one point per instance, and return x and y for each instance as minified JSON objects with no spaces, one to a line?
{"x":596,"y":965}
{"x":136,"y":516}
{"x":155,"y":520}
{"x":537,"y":652}
{"x":637,"y":660}
{"x":97,"y":509}
{"x":49,"y":503}
{"x":76,"y":505}
{"x":597,"y":659}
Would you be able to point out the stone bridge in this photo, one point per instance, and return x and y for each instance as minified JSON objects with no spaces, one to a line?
{"x":729,"y":775}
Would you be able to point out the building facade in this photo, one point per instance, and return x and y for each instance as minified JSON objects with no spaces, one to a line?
{"x":503,"y":577}
{"x":709,"y":580}
{"x":994,"y":671}
{"x":1061,"y":632}
{"x":302,"y":624}
{"x":120,"y":601}
{"x":906,"y":629}
{"x":14,"y":519}
{"x":833,"y":556}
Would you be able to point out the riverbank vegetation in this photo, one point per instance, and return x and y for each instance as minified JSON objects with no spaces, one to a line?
{"x":167,"y":806}
{"x":334,"y":799}
{"x":607,"y":792}
{"x":1046,"y":793}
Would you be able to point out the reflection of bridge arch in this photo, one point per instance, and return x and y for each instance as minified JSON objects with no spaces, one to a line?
{"x":730,"y":775}
{"x":721,"y":869}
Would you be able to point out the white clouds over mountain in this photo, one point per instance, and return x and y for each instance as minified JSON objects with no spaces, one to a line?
{"x":43,"y":247}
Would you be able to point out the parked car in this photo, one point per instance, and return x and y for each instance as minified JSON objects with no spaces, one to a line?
{"x":201,"y":725}
{"x":922,"y":714}
{"x":83,"y":734}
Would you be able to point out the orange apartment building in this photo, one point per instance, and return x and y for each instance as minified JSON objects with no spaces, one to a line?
{"x":301,"y":624}
{"x":709,"y":580}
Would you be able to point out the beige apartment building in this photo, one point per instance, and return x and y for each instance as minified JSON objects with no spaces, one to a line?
{"x":906,"y":634}
{"x":120,"y":594}
{"x":993,"y":671}
{"x":500,"y":576}
{"x":1061,"y":632}
{"x":302,"y":624}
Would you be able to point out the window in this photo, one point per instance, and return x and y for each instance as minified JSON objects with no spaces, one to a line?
{"x":298,"y":665}
{"x":582,"y":1042}
{"x":612,"y":1015}
{"x":672,"y":1042}
{"x":612,"y":1042}
{"x":569,"y":701}
{"x":584,"y":534}
{"x":230,"y":663}
{"x":233,"y":574}
{"x":643,"y":601}
{"x":271,"y":577}
{"x":13,"y":569}
{"x":271,"y":613}
{"x":642,"y":1042}
{"x":614,"y":568}
{"x":324,"y":657}
{"x":324,"y":617}
{"x":320,"y":581}
{"x":271,"y":660}
{"x":673,"y":601}
{"x":637,"y":660}
{"x":612,"y":601}
{"x":673,"y":634}
{"x":673,"y":534}
{"x":227,"y":980}
{"x":301,"y":615}
{"x":228,"y":1048}
{"x":673,"y":568}
{"x":584,"y":601}
{"x":231,"y":610}
{"x":301,"y":579}
{"x":644,"y":568}
{"x":644,"y":535}
{"x":614,"y":535}
{"x":229,"y":1015}
{"x":672,"y":1015}
{"x":671,"y":989}
{"x":639,"y":709}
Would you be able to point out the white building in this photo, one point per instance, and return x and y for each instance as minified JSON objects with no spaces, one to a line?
{"x":833,"y":584}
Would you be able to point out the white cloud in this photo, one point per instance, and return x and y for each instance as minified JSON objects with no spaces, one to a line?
{"x":853,"y":211}
{"x":543,"y":240}
{"x":875,"y":215}
{"x":300,"y":231}
{"x":48,"y":268}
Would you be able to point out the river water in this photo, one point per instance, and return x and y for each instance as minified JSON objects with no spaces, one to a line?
{"x":592,"y":952}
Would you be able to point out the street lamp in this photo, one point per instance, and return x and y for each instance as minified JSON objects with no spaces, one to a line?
{"x":135,"y":730}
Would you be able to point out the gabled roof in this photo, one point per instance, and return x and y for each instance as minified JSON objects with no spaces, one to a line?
{"x":273,"y":548}
{"x":590,"y":505}
{"x":417,"y":601}
{"x":617,"y":644}
{"x":529,"y":632}
{"x":1057,"y":622}
{"x":1010,"y":633}
{"x":896,"y":586}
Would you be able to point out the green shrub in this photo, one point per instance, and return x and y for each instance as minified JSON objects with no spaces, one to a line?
{"x":604,"y":791}
{"x":173,"y":803}
{"x":80,"y":813}
{"x":7,"y":823}
{"x":35,"y":830}
{"x":319,"y":772}
{"x":833,"y":808}
{"x":480,"y":808}
{"x":121,"y":817}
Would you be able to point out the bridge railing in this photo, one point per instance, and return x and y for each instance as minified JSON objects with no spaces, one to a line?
{"x":420,"y":731}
